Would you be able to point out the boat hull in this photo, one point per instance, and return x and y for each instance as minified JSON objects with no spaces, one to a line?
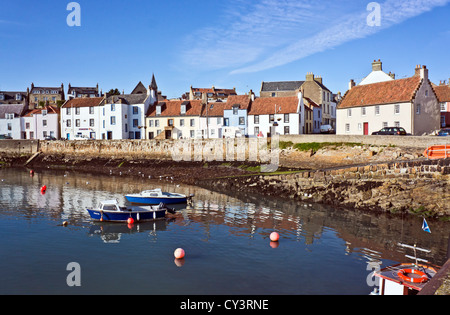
{"x":155,"y":200}
{"x":137,"y":216}
{"x":437,"y":152}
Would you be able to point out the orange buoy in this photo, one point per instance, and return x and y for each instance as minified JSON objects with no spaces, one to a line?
{"x":179,"y":253}
{"x":404,"y":274}
{"x":274,"y":237}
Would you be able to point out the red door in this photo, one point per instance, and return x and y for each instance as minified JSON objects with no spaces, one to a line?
{"x":366,"y":129}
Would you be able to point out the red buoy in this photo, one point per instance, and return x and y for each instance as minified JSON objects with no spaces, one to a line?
{"x":130,"y":220}
{"x":274,"y":237}
{"x":43,"y":189}
{"x":179,"y":253}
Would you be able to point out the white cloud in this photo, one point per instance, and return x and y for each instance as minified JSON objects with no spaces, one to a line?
{"x":264,"y":34}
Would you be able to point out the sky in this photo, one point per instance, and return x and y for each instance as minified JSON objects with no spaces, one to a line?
{"x":233,"y":43}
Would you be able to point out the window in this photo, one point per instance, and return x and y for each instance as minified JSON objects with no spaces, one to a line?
{"x":69,"y":123}
{"x":396,"y":109}
{"x":44,"y":113}
{"x":18,"y":97}
{"x":27,"y":125}
{"x":241,"y":120}
{"x":385,"y":124}
{"x":113,"y":107}
{"x":397,"y":124}
{"x":170,"y":122}
{"x":135,"y":110}
{"x":91,"y":123}
{"x":359,"y":126}
{"x":226,"y":122}
{"x":113,"y":120}
{"x":426,"y":92}
{"x":235,"y":110}
{"x":91,"y":110}
{"x":418,"y":109}
{"x":192,"y":122}
{"x":271,"y":117}
{"x":183,"y":110}
{"x":68,"y":111}
{"x":363,"y":111}
{"x":158,"y":110}
{"x":192,"y":133}
{"x":181,"y":122}
{"x":9,"y":126}
{"x":286,"y":130}
{"x":2,"y":97}
{"x":44,"y":123}
{"x":377,"y":110}
{"x":286,"y":118}
{"x":274,"y":94}
{"x":256,"y":130}
{"x":256,"y":119}
{"x":77,"y":123}
{"x":443,"y":107}
{"x":347,"y":127}
{"x":349,"y":112}
{"x":135,"y":123}
{"x":157,"y":123}
{"x":77,"y":111}
{"x":150,"y":123}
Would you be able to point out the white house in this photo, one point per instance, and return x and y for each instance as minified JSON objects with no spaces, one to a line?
{"x":211,"y":121}
{"x":82,"y":118}
{"x":10,"y":120}
{"x":410,"y":103}
{"x":285,"y":114}
{"x":41,"y":123}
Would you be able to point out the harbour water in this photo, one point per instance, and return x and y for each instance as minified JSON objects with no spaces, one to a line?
{"x":322,"y":250}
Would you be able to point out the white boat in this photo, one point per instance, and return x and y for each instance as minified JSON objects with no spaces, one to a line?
{"x":156,"y":196}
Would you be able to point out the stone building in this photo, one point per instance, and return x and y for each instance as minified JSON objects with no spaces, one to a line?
{"x":40,"y":96}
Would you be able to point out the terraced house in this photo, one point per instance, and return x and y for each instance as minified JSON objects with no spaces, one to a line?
{"x":410,"y":103}
{"x":40,"y":96}
{"x":175,"y":119}
{"x":443,"y":95}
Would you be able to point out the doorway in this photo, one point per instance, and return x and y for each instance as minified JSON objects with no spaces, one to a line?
{"x":366,"y":128}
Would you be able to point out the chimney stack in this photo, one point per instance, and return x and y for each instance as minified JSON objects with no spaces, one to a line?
{"x":424,"y":73}
{"x":351,"y":84}
{"x":309,"y":76}
{"x":377,"y":65}
{"x":417,"y":71}
{"x":392,"y":75}
{"x":318,"y":79}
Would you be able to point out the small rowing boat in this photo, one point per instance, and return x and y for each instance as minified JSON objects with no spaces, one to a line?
{"x":110,"y":211}
{"x":437,"y":152}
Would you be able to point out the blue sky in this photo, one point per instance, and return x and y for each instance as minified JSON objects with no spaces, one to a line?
{"x":234,"y":43}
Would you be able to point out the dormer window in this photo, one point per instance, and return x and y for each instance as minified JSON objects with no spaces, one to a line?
{"x":183,"y":110}
{"x":158,"y":110}
{"x":18,"y":97}
{"x":44,"y":112}
{"x":2,"y":97}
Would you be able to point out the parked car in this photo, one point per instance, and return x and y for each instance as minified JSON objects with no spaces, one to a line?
{"x":5,"y":137}
{"x":326,"y":129}
{"x":392,"y":131}
{"x":444,"y":132}
{"x":50,"y":138}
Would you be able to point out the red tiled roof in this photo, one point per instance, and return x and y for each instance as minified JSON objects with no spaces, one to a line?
{"x":214,"y":109}
{"x":50,"y":110}
{"x":395,"y":91}
{"x":173,"y":108}
{"x":268,"y":105}
{"x":83,"y":102}
{"x":243,"y":101}
{"x":442,"y":93}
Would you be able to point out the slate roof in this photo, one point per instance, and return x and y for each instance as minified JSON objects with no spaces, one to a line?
{"x":10,"y":97}
{"x":396,"y":91}
{"x":82,"y":90}
{"x":442,"y":93}
{"x":129,"y":99}
{"x":16,"y":109}
{"x":268,"y":105}
{"x":281,"y":86}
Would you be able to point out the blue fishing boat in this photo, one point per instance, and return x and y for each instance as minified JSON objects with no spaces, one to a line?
{"x":156,"y":196}
{"x":110,"y":211}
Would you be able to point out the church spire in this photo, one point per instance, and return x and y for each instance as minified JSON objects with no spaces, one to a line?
{"x":153,"y":85}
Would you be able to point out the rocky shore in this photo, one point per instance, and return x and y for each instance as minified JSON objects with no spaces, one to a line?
{"x":367,"y":178}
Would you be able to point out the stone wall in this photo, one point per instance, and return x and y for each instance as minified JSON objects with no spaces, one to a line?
{"x":419,"y":187}
{"x":18,"y":147}
{"x":399,"y":141}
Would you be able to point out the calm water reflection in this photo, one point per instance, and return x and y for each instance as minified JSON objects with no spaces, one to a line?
{"x":226,"y":237}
